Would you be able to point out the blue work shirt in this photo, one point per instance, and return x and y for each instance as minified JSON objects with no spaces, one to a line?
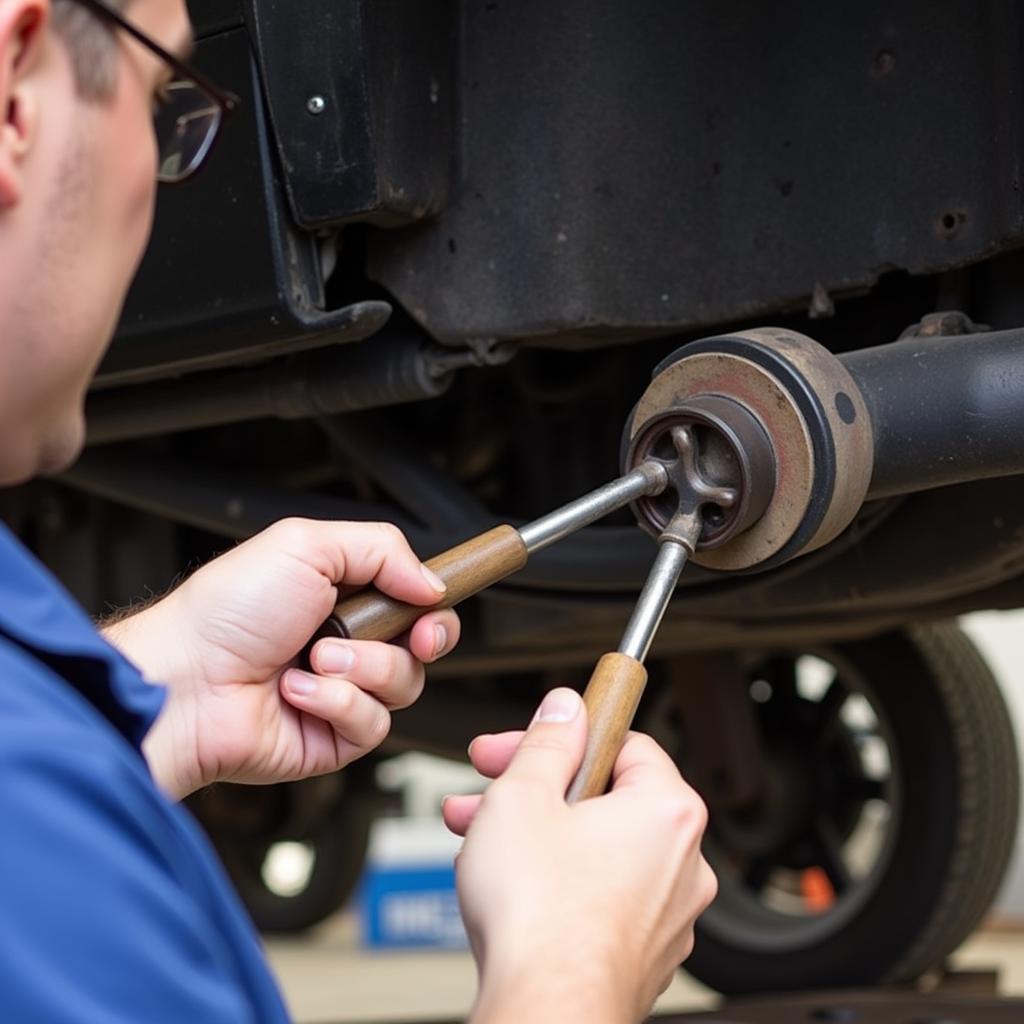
{"x":113,"y":907}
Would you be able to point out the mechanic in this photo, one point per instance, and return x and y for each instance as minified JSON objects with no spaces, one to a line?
{"x":113,"y":906}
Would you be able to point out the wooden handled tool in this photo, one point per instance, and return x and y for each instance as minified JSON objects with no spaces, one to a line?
{"x":618,"y":680}
{"x":488,"y":558}
{"x":466,"y":568}
{"x":615,"y":688}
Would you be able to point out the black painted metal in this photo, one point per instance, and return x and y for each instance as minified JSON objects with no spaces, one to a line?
{"x":234,"y":505}
{"x":211,"y":16}
{"x":380,"y":372}
{"x":376,"y":143}
{"x":650,"y":167}
{"x":229,"y":279}
{"x":944,"y":410}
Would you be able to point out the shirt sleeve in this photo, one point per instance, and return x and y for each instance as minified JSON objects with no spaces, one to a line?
{"x":97,"y":923}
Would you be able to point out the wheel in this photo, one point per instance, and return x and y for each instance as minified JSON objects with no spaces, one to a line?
{"x":294,"y":851}
{"x":884,"y":823}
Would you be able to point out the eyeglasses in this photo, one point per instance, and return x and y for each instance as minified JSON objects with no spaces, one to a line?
{"x":190,"y":108}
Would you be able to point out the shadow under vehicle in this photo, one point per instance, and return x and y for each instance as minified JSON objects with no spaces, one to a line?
{"x":427,"y":276}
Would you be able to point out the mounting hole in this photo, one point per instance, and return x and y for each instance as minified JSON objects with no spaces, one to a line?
{"x":845,"y":407}
{"x":951,"y":223}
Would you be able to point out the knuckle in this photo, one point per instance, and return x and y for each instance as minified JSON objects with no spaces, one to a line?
{"x":538,"y":739}
{"x":686,"y":810}
{"x":708,"y":885}
{"x":415,"y":688}
{"x":292,"y":532}
{"x":389,"y":663}
{"x":343,"y":697}
{"x":380,"y":726}
{"x":390,"y":535}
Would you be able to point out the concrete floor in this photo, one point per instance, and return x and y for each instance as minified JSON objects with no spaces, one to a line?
{"x":327,"y":979}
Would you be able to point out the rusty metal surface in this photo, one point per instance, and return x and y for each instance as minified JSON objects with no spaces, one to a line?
{"x":848,"y":421}
{"x":757,"y":390}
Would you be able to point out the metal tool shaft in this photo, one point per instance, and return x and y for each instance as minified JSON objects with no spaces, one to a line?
{"x":654,"y":600}
{"x":649,"y":478}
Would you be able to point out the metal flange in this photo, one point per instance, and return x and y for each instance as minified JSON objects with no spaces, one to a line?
{"x":817,"y":426}
{"x":720,"y":466}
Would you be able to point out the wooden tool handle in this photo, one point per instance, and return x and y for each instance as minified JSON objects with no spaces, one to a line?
{"x":611,"y":697}
{"x":467,"y":569}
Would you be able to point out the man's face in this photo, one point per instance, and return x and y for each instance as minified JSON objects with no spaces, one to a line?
{"x":72,"y":230}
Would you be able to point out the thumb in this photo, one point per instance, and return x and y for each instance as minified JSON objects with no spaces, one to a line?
{"x":552,"y":748}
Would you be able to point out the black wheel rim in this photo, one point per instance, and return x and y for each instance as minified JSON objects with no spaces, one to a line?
{"x":797,"y":867}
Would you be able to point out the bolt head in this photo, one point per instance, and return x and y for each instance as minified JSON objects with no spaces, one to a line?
{"x":316,"y":105}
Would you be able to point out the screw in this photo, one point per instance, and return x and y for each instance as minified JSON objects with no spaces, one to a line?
{"x":316,"y":104}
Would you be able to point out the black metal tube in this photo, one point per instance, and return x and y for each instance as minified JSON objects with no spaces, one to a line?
{"x":375,"y":373}
{"x":604,"y":558}
{"x":400,"y":468}
{"x":944,"y":410}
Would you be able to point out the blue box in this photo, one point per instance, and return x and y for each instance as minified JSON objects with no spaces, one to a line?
{"x":410,"y":906}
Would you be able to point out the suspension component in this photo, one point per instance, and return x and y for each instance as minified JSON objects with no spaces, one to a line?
{"x":777,"y":413}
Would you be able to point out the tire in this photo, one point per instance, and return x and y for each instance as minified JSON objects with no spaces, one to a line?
{"x":952,"y":792}
{"x":334,"y":832}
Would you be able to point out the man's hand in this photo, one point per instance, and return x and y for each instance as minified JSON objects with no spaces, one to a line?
{"x":226,"y":644}
{"x":584,"y":912}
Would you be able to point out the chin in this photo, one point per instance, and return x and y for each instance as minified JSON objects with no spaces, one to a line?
{"x":60,"y":449}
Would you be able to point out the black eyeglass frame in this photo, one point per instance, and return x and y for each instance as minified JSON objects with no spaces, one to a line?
{"x":227,"y":101}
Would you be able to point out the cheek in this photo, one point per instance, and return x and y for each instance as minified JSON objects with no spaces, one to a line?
{"x":140,"y":200}
{"x":131,"y":174}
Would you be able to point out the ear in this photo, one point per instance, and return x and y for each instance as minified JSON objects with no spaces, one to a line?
{"x":22,"y":33}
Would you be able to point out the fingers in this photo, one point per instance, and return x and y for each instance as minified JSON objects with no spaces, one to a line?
{"x":642,"y":763}
{"x":434,"y":635}
{"x":490,"y":754}
{"x":355,"y":715}
{"x":458,"y":811}
{"x":550,"y":752}
{"x":388,"y":672}
{"x":361,"y":553}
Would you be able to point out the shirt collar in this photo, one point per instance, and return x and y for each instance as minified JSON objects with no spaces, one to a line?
{"x":37,"y":613}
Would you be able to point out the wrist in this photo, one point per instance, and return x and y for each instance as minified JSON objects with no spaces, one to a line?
{"x":563,"y":988}
{"x":151,"y":639}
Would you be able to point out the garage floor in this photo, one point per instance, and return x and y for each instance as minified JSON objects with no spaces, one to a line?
{"x":327,"y":979}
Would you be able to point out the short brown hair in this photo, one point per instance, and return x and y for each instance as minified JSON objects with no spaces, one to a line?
{"x":92,"y":47}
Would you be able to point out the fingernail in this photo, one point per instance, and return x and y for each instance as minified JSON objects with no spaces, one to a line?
{"x":433,"y":579}
{"x":440,"y":640}
{"x":561,"y":705}
{"x":336,"y":658}
{"x":302,"y":684}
